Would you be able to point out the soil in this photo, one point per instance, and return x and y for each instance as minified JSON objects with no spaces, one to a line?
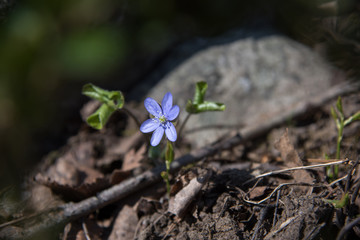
{"x":217,"y":198}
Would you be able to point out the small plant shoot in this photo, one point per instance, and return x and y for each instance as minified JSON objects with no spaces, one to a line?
{"x":344,"y":201}
{"x":198,"y":104}
{"x":169,"y":158}
{"x":341,"y":122}
{"x":111,"y":101}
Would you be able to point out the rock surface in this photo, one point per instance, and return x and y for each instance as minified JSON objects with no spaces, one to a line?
{"x":255,"y":76}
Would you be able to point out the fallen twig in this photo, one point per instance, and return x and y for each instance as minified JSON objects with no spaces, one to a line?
{"x":86,"y":232}
{"x":298,"y":168}
{"x":277,"y":188}
{"x":72,"y":211}
{"x":292,"y":184}
{"x":179,"y":204}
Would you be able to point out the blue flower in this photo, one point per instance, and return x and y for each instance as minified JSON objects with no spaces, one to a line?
{"x":161,"y":122}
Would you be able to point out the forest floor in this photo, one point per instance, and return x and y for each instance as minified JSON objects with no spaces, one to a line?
{"x":222,"y":196}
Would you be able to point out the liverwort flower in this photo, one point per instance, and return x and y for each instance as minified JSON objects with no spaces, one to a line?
{"x":161,"y":120}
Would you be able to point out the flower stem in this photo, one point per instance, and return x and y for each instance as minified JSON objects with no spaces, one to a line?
{"x":339,"y":139}
{"x":132,"y":116}
{"x":129,"y":113}
{"x":169,"y":157}
{"x":165,"y":176}
{"x":183,"y":124}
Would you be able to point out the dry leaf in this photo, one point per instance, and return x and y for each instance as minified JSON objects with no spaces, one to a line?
{"x":87,"y":175}
{"x":291,"y":158}
{"x":118,"y":176}
{"x":133,"y":159}
{"x":82,"y":230}
{"x":181,"y":181}
{"x":146,"y":206}
{"x":125,"y":224}
{"x":71,"y":180}
{"x":74,"y":193}
{"x":119,"y":149}
{"x":126,"y":143}
{"x":258,"y":192}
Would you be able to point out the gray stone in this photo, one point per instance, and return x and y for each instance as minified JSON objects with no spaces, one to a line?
{"x":255,"y":77}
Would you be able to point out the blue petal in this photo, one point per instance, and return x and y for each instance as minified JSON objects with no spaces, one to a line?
{"x":167,"y":102}
{"x":173,"y":113}
{"x":153,"y":107}
{"x":149,"y":125}
{"x":170,"y":132}
{"x":157,"y":136}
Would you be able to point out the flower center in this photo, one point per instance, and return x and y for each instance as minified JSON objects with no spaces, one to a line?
{"x":162,"y":119}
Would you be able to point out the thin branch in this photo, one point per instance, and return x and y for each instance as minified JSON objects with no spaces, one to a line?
{"x":86,"y":232}
{"x":183,"y":124}
{"x":72,"y":211}
{"x":125,"y":109}
{"x":12,"y":222}
{"x":319,"y":160}
{"x":337,"y":180}
{"x":279,"y":187}
{"x":293,"y":184}
{"x":299,"y":168}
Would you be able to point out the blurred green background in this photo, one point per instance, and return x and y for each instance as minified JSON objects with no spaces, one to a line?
{"x":49,"y":49}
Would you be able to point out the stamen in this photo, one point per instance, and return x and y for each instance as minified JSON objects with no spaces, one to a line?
{"x":162,"y":119}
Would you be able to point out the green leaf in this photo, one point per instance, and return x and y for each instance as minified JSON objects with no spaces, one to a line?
{"x":94,"y":92}
{"x":340,"y":203}
{"x":329,"y":172}
{"x":111,"y":98}
{"x":339,"y":107}
{"x":111,"y":101}
{"x":333,"y":113}
{"x":190,"y":107}
{"x":356,"y":116}
{"x":199,"y":105}
{"x":338,"y":124}
{"x":210,"y":106}
{"x":200,"y":90}
{"x":164,"y":175}
{"x":353,"y":118}
{"x":98,"y":119}
{"x":204,"y":107}
{"x":118,"y":98}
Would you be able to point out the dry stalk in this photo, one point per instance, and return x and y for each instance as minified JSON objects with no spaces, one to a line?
{"x":292,"y":184}
{"x":343,"y":161}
